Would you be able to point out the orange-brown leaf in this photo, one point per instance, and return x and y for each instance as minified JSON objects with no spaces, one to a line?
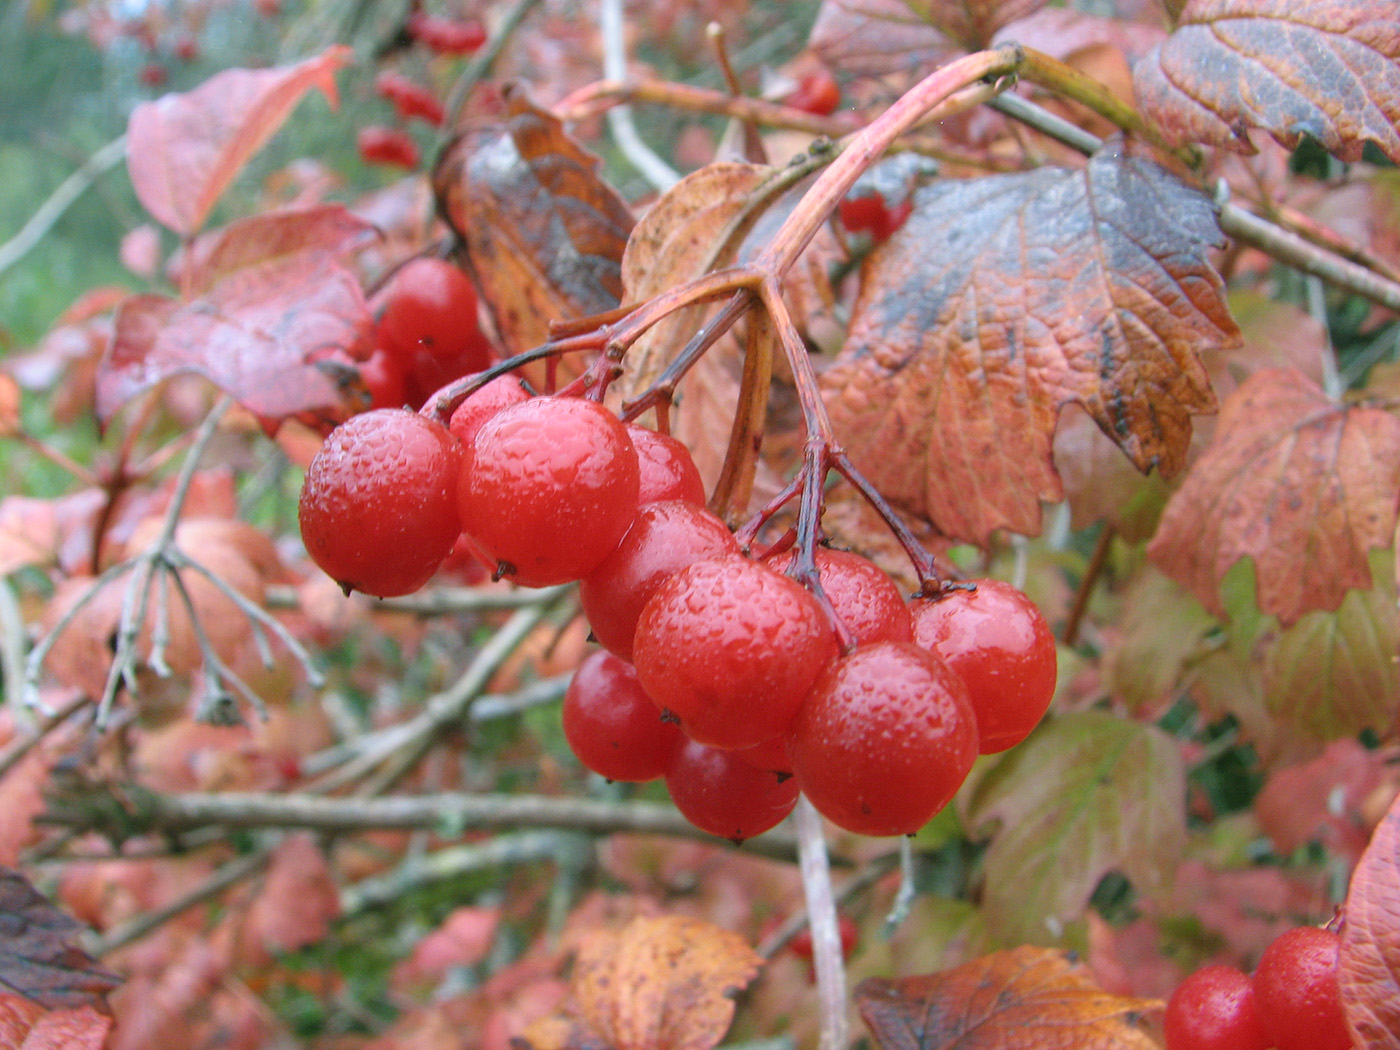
{"x":1329,"y":70}
{"x":1369,"y":967}
{"x":544,"y":232}
{"x":1030,"y":998}
{"x":1004,"y":298}
{"x":662,"y":983}
{"x":299,"y":899}
{"x":1300,"y":483}
{"x":82,"y":1028}
{"x":36,"y":959}
{"x":184,"y":150}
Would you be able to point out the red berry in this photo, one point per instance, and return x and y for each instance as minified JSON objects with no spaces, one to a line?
{"x":186,"y":49}
{"x":377,"y":508}
{"x":731,"y":648}
{"x":549,"y":488}
{"x":444,"y":36}
{"x":390,"y":146}
{"x":1214,"y":1009}
{"x":816,"y":93}
{"x":726,"y":796}
{"x":481,"y":405}
{"x":801,"y":943}
{"x":409,"y":99}
{"x":867,"y":601}
{"x":1297,"y":992}
{"x":153,"y":74}
{"x":430,"y":305}
{"x":612,"y":726}
{"x":383,"y":377}
{"x":668,"y":472}
{"x":996,"y":640}
{"x":664,"y":538}
{"x":771,"y":755}
{"x":870,"y":214}
{"x":885,"y":740}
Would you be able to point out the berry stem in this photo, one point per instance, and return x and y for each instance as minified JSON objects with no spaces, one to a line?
{"x":826,"y":935}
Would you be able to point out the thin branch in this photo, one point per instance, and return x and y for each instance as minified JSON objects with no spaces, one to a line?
{"x":1097,"y":561}
{"x":68,"y":191}
{"x":655,"y":170}
{"x":483,"y":60}
{"x":826,"y":933}
{"x":17,"y":748}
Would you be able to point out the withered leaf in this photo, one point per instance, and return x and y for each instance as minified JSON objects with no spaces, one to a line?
{"x":1028,"y":998}
{"x":1329,"y":70}
{"x":1369,"y":967}
{"x":183,"y":150}
{"x":1300,"y":483}
{"x":277,"y":337}
{"x":662,"y":983}
{"x":36,"y":959}
{"x":544,"y":232}
{"x":878,"y":37}
{"x":1087,"y":793}
{"x":1003,"y":299}
{"x":79,"y":1029}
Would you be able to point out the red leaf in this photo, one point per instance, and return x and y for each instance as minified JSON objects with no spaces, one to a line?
{"x":36,"y":960}
{"x":877,"y":37}
{"x":184,"y":150}
{"x":1329,"y":70}
{"x":1004,"y":298}
{"x":1369,"y":969}
{"x":1027,"y":997}
{"x":80,"y":1029}
{"x":1322,"y":799}
{"x":277,"y":337}
{"x":1303,"y":485}
{"x":299,"y":900}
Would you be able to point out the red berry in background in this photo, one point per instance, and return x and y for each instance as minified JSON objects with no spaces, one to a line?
{"x":549,"y":488}
{"x":409,"y":100}
{"x":1214,"y":1009}
{"x":724,"y":795}
{"x":668,"y":472}
{"x":664,"y":538}
{"x":612,"y":726}
{"x":996,"y":640}
{"x":731,"y":648}
{"x":1296,"y":990}
{"x":444,"y":36}
{"x":816,"y":93}
{"x":387,"y":146}
{"x":870,"y":214}
{"x":862,"y":595}
{"x":481,"y":405}
{"x":885,"y":740}
{"x":186,"y":49}
{"x":801,"y":943}
{"x":383,"y":376}
{"x":153,"y":74}
{"x":430,"y":305}
{"x":377,"y":507}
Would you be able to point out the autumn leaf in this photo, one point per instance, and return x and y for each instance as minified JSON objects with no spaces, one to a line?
{"x":82,"y":1028}
{"x":877,"y":37}
{"x":544,"y":232}
{"x":1300,"y":483}
{"x":299,"y":900}
{"x":36,"y":959}
{"x":1321,"y":799}
{"x":183,"y":150}
{"x":1160,"y":629}
{"x":1086,"y":794}
{"x":1327,"y":70}
{"x":1026,"y":997}
{"x":1003,"y":299}
{"x":1369,"y":966}
{"x":662,"y":983}
{"x":280,"y":337}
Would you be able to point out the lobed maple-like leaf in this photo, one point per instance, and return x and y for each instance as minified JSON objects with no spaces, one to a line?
{"x":1330,"y":70}
{"x":1369,"y":966}
{"x":1003,"y":299}
{"x":1087,"y":793}
{"x":36,"y":959}
{"x":1322,"y":799}
{"x":662,"y":983}
{"x":1302,"y":484}
{"x":277,"y":337}
{"x":1026,"y":998}
{"x":544,"y":232}
{"x":183,"y":150}
{"x":878,"y":37}
{"x":1159,"y":631}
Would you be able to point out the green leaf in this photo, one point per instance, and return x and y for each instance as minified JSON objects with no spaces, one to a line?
{"x":1161,"y":628}
{"x":1086,"y":794}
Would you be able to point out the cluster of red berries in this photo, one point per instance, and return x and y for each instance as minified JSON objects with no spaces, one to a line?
{"x":1293,"y":1001}
{"x":426,"y":335}
{"x":720,"y":673}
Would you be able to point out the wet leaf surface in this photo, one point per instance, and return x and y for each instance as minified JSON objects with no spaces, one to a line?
{"x":1369,"y":967}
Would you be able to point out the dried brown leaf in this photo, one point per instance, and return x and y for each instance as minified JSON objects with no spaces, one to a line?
{"x":1328,"y":70}
{"x":1028,"y":998}
{"x":876,"y":37}
{"x":1300,"y":483}
{"x":1003,"y":299}
{"x":36,"y":959}
{"x":663,"y":983}
{"x":1369,"y":965}
{"x":544,"y":232}
{"x":183,"y":150}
